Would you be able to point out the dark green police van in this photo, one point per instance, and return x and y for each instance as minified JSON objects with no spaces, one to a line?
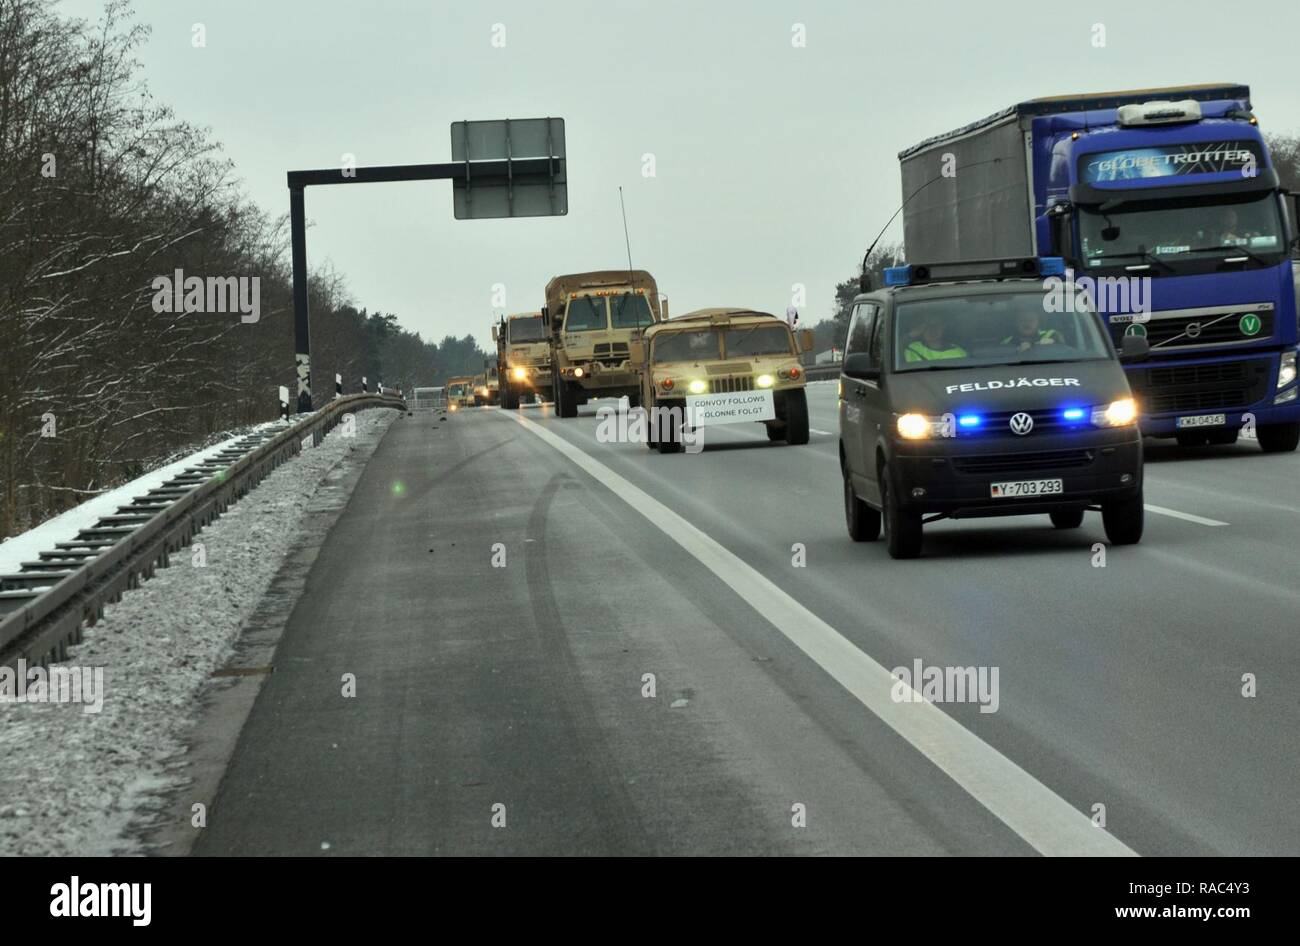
{"x":985,"y":388}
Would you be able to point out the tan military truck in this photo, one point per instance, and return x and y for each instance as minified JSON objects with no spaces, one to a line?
{"x":722,"y":366}
{"x":460,"y":392}
{"x":593,"y":318}
{"x":523,"y":357}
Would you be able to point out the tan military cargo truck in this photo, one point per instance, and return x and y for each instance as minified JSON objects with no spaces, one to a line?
{"x":592,"y":319}
{"x":524,"y":357}
{"x":722,"y":366}
{"x":460,"y":392}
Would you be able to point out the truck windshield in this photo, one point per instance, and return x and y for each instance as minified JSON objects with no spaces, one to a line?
{"x":1170,"y":231}
{"x":629,"y":310}
{"x":585,"y":314}
{"x":994,"y":329}
{"x":526,"y":330}
{"x":751,"y":340}
{"x":686,"y":346}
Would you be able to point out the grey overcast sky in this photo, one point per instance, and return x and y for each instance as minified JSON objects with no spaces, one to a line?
{"x":775,"y":164}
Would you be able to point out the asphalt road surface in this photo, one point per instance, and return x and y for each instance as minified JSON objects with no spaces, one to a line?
{"x":574,"y":647}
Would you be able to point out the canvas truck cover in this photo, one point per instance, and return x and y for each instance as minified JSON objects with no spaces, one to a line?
{"x":559,"y":288}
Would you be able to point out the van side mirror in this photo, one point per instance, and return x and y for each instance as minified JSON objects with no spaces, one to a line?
{"x":858,"y":365}
{"x":636,"y":352}
{"x":806,"y":340}
{"x":1134,"y":348}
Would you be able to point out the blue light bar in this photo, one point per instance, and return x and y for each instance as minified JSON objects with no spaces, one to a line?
{"x":1072,"y":413}
{"x":970,"y":420}
{"x":898,"y":275}
{"x":1051,"y":266}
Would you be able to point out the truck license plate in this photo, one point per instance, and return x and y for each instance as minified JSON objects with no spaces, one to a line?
{"x":1026,"y":488}
{"x":1203,"y":420}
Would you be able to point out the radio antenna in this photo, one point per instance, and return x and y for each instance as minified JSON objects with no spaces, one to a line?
{"x":626,"y":241}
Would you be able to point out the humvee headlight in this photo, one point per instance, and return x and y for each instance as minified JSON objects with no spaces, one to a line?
{"x":697,"y":386}
{"x":519,"y":373}
{"x":914,"y":426}
{"x":763,"y":381}
{"x":452,"y":408}
{"x":1116,"y":414}
{"x":577,"y":372}
{"x":1286,"y":373}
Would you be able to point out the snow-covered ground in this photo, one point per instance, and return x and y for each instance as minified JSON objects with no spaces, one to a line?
{"x":71,"y":781}
{"x":64,"y":527}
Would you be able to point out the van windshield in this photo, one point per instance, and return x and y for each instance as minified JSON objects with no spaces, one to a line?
{"x":994,"y":329}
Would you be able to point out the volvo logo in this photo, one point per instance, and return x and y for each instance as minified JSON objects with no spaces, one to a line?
{"x":1021,"y":423}
{"x":1193,"y":329}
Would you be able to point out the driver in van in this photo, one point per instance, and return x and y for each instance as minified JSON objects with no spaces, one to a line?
{"x":1028,"y":334}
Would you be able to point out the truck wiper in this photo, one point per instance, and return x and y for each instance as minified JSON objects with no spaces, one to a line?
{"x":1229,"y":247}
{"x":1142,"y":254}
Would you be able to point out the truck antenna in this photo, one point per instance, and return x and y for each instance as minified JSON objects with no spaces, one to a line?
{"x":630,"y":280}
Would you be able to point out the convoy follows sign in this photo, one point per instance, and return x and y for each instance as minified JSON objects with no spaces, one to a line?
{"x":703,"y":410}
{"x":1170,"y":161}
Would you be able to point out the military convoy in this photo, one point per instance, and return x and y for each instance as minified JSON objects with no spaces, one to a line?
{"x":721,"y":366}
{"x":592,"y":319}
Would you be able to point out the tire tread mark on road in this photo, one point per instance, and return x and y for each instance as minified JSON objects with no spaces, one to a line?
{"x":621,"y":827}
{"x":463,"y":463}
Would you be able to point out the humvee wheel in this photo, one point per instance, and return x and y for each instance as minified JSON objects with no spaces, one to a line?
{"x":796,"y":417}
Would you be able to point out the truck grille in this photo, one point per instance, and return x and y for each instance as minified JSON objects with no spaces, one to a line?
{"x":610,"y":354}
{"x":1031,"y":462}
{"x":728,"y":385}
{"x":1210,"y":329}
{"x":1162,"y":389}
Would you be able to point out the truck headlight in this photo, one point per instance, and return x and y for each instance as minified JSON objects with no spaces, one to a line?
{"x":1286,"y":370}
{"x":519,"y":373}
{"x":578,"y":372}
{"x":1115,"y":414}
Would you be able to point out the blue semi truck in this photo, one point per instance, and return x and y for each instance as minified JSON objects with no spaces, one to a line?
{"x":1165,"y":204}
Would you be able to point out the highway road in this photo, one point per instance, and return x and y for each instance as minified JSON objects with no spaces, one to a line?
{"x":506,"y":708}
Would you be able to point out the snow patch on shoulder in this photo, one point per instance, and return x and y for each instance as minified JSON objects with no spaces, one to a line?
{"x":73,"y":782}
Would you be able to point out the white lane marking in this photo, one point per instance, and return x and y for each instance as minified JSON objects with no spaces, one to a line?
{"x":1186,"y":516}
{"x":824,"y":433}
{"x":1028,"y":807}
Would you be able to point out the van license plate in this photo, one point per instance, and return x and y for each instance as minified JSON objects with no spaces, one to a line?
{"x":1203,"y":420}
{"x":1026,"y":488}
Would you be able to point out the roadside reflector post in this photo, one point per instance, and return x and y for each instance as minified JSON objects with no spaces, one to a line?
{"x":284,"y":403}
{"x":338,"y":385}
{"x":365,"y":388}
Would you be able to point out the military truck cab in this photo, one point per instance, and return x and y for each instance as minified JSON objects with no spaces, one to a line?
{"x":966,"y":392}
{"x":525,"y":357}
{"x":592,"y":319}
{"x":722,"y":366}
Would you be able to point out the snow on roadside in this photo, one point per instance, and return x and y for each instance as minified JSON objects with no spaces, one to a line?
{"x":64,"y":527}
{"x":71,"y":781}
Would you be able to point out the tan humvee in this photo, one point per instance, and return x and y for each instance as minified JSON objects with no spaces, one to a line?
{"x":593,"y":318}
{"x":460,"y":392}
{"x":722,"y":366}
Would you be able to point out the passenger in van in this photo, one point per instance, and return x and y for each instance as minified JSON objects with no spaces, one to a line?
{"x":1028,"y":334}
{"x":932,"y":345}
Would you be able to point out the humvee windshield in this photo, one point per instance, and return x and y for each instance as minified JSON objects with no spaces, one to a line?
{"x":992,"y":329}
{"x":686,"y":346}
{"x":753,"y":340}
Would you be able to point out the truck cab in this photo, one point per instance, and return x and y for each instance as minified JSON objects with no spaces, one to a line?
{"x":524,"y":354}
{"x":593,"y":318}
{"x":964,"y":395}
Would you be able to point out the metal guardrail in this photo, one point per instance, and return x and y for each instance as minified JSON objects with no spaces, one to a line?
{"x":117,"y":552}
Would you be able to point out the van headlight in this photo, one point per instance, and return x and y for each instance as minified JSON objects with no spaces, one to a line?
{"x":1286,"y":371}
{"x":1119,"y":413}
{"x":921,"y":427}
